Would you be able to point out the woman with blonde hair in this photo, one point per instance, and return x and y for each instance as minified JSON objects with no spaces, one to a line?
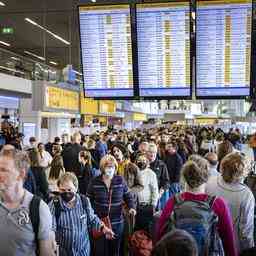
{"x":107,"y":193}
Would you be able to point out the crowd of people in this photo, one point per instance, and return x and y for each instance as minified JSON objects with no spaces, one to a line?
{"x":180,"y":190}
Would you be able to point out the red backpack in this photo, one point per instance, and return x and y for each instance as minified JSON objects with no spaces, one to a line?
{"x":140,"y":244}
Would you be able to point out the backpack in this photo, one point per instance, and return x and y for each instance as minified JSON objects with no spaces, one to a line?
{"x":34,"y":216}
{"x":198,"y":219}
{"x":140,"y":244}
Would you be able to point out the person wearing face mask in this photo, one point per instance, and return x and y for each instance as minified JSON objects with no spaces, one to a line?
{"x":73,"y":218}
{"x":107,"y":193}
{"x":229,"y":185}
{"x":149,"y":196}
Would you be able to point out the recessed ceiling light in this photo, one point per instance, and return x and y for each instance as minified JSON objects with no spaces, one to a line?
{"x":14,"y":58}
{"x":4,"y":43}
{"x":48,"y":31}
{"x":54,"y":63}
{"x":94,"y":1}
{"x":34,"y":55}
{"x":2,"y":4}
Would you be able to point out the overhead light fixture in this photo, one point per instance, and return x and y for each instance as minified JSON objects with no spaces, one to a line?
{"x":14,"y":58}
{"x":12,"y":70}
{"x":4,"y":43}
{"x":193,"y":15}
{"x":53,"y":63}
{"x":48,"y":31}
{"x":2,"y":4}
{"x":94,"y":1}
{"x":34,"y":55}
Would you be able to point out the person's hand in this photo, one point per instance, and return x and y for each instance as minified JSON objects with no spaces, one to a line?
{"x":108,"y":233}
{"x":132,"y":212}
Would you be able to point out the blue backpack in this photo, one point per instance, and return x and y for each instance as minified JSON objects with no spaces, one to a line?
{"x":198,"y":219}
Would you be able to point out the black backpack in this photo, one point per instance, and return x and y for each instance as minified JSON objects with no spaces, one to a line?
{"x":198,"y":219}
{"x":34,"y":216}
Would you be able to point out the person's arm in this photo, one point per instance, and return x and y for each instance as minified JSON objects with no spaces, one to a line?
{"x":138,"y":184}
{"x":46,"y":237}
{"x":225,"y":227}
{"x":154,"y":190}
{"x":246,"y":223}
{"x":127,"y":196}
{"x":93,"y":219}
{"x":49,"y":158}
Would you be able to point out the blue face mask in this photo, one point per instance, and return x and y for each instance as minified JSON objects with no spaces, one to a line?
{"x":109,"y":172}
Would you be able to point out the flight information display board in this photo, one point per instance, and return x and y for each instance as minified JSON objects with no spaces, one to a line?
{"x":223,"y":48}
{"x":163,"y":39}
{"x":105,"y":34}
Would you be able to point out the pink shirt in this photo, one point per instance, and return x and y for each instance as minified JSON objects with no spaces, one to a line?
{"x":225,"y":224}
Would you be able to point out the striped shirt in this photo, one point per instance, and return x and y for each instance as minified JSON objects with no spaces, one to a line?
{"x":72,"y":234}
{"x":99,"y":196}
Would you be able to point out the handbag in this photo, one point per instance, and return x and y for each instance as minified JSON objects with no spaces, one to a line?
{"x":106,"y":220}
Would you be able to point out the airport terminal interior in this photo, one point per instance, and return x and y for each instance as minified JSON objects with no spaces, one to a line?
{"x":128,"y":127}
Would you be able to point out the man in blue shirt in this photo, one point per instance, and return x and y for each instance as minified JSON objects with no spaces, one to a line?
{"x":101,"y":145}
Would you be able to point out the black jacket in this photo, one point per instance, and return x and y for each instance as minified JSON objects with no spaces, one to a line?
{"x":41,"y":182}
{"x":70,"y":158}
{"x":95,"y":158}
{"x":160,"y":169}
{"x":174,"y":164}
{"x":85,"y":177}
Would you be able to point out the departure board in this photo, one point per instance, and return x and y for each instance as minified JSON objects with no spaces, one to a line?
{"x":105,"y":34}
{"x":223,"y":48}
{"x":163,"y":34}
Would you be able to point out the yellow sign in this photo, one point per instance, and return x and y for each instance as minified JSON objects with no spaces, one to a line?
{"x":89,"y":106}
{"x":205,"y":121}
{"x":62,"y":99}
{"x":107,"y":106}
{"x":139,"y":117}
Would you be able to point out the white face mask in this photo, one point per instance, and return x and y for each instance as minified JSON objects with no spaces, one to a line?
{"x":109,"y":172}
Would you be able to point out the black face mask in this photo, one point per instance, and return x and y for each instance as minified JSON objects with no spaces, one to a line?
{"x":67,"y":196}
{"x":142,"y":165}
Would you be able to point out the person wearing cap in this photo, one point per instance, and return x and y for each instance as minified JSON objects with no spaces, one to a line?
{"x":126,"y":168}
{"x":212,"y":158}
